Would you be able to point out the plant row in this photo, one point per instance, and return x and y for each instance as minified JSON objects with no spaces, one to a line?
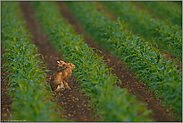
{"x":163,"y":35}
{"x":109,"y":101}
{"x":27,"y":80}
{"x":149,"y":65}
{"x":177,"y":4}
{"x":164,"y":10}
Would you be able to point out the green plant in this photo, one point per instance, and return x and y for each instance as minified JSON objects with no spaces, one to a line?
{"x":110,"y":102}
{"x":165,"y":10}
{"x":149,"y":65}
{"x":27,"y":80}
{"x":164,"y":36}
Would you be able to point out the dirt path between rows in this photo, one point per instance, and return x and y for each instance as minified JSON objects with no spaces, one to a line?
{"x":5,"y":98}
{"x":128,"y":79}
{"x":73,"y":103}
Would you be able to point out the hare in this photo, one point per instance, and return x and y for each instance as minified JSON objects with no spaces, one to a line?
{"x":66,"y":74}
{"x":62,"y":74}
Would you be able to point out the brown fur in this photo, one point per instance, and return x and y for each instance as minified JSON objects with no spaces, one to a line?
{"x":63,"y":73}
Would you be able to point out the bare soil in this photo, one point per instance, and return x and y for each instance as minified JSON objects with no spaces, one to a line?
{"x":5,"y":98}
{"x":73,"y":101}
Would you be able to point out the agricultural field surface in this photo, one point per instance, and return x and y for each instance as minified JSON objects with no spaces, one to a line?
{"x":127,"y":57}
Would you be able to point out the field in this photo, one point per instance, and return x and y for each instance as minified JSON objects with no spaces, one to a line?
{"x":128,"y":61}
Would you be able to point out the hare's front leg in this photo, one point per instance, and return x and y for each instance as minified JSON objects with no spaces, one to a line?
{"x":66,"y":85}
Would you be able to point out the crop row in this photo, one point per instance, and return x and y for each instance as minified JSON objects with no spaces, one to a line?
{"x":160,"y":74}
{"x":177,"y":4}
{"x":27,"y":80}
{"x":164,"y":36}
{"x":109,"y":101}
{"x":164,"y":10}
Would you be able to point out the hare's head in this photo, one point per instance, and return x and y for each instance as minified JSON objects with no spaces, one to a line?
{"x":61,"y":64}
{"x":64,"y":65}
{"x":71,"y":65}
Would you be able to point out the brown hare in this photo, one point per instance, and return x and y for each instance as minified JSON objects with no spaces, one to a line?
{"x":62,"y":74}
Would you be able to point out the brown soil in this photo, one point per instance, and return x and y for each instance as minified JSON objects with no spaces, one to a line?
{"x":5,"y":98}
{"x":73,"y":102}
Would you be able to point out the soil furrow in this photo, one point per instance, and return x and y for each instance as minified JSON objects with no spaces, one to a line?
{"x":127,"y":77}
{"x":73,"y":103}
{"x":5,"y":98}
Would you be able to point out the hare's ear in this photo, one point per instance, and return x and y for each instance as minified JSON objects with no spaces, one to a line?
{"x":60,"y":62}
